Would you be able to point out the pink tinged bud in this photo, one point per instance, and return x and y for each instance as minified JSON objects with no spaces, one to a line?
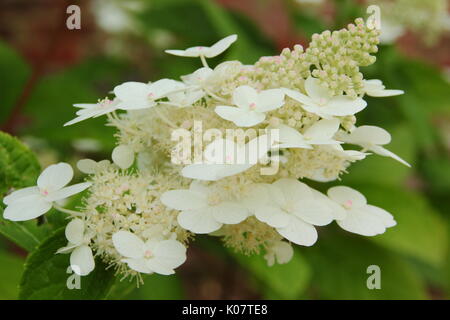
{"x":252,"y":106}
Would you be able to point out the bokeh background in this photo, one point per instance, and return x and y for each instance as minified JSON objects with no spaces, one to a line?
{"x":45,"y":68}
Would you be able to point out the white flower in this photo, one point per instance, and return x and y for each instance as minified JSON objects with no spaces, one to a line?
{"x":81,"y":257}
{"x":280,"y":252}
{"x":320,"y":101}
{"x":123,"y":156}
{"x":358,"y":216}
{"x":375,"y":88}
{"x":251,"y":106}
{"x":291,"y":208}
{"x":154,"y":255}
{"x":93,"y":110}
{"x":320,"y":133}
{"x":372,"y":138}
{"x":203,"y":211}
{"x":208,"y":52}
{"x":137,"y":95}
{"x":200,"y":78}
{"x":182,"y":99}
{"x":236,"y":159}
{"x":32,"y":202}
{"x":90,"y":166}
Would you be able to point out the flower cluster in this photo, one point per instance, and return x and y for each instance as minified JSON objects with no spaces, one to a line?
{"x":296,"y":110}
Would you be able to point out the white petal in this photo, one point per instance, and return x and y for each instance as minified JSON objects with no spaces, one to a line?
{"x":272,"y":215}
{"x":162,"y":87}
{"x":322,"y":131}
{"x":299,"y":232}
{"x":313,"y":212}
{"x":67,"y":191}
{"x":368,"y":135}
{"x":199,"y":221}
{"x":299,"y":97}
{"x":347,"y":197}
{"x":229,"y":113}
{"x":128,"y":244}
{"x":220,"y":46}
{"x":75,"y":231}
{"x":229,"y":213}
{"x":184,"y":199}
{"x":362,"y":222}
{"x":385,"y":217}
{"x":270,"y":100}
{"x":344,"y":106}
{"x":293,"y":190}
{"x":244,"y":96}
{"x":291,"y":138}
{"x":133,"y":95}
{"x":82,"y":261}
{"x":67,"y":249}
{"x":181,"y":53}
{"x":20,"y":194}
{"x":283,"y":252}
{"x":139,"y":265}
{"x":213,"y":172}
{"x":337,"y":211}
{"x":26,"y":209}
{"x":123,"y":156}
{"x":55,"y":177}
{"x":170,"y":253}
{"x":385,"y":152}
{"x":315,"y":90}
{"x":87,"y":166}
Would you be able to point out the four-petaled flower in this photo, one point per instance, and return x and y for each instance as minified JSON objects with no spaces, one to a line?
{"x":358,"y":216}
{"x":320,"y":101}
{"x":138,"y":95}
{"x":32,"y":202}
{"x":320,"y":133}
{"x":202,"y":210}
{"x":207,"y":52}
{"x":372,"y":138}
{"x":251,"y":106}
{"x":152,"y":256}
{"x":291,"y":208}
{"x":81,"y":257}
{"x":376,"y":88}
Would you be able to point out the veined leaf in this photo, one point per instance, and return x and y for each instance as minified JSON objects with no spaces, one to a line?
{"x":46,"y":277}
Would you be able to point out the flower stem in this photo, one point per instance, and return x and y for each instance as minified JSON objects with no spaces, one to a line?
{"x":204,"y":63}
{"x":68,"y":211}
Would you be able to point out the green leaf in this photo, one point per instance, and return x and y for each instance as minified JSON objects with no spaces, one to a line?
{"x":155,"y":287}
{"x":15,"y":72}
{"x":20,"y":167}
{"x":420,"y":231}
{"x":11,"y":267}
{"x":339,"y":263}
{"x":282,"y":281}
{"x":45,"y":276}
{"x":27,"y":234}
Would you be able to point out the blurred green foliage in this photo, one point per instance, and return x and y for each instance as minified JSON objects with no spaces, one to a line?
{"x":414,"y":256}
